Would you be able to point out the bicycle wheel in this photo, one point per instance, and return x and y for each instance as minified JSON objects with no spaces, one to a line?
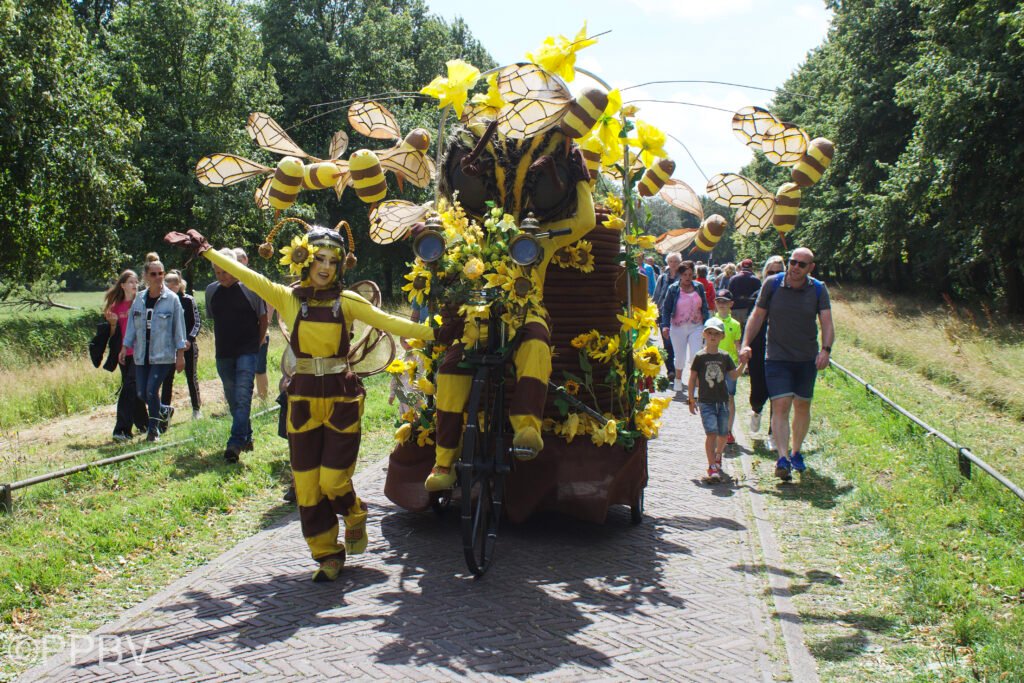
{"x":482,"y":474}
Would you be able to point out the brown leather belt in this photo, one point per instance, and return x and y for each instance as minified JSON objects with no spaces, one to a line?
{"x":320,"y":366}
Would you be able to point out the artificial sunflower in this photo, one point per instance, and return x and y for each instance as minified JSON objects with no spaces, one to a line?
{"x":572,"y":387}
{"x":583,"y":258}
{"x":648,"y":361}
{"x":608,"y":350}
{"x":298,"y":255}
{"x":418,"y":286}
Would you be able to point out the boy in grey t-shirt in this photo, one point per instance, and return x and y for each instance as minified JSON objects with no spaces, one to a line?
{"x":708,"y":372}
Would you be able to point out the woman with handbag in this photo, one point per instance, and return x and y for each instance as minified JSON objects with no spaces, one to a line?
{"x":131,"y":410}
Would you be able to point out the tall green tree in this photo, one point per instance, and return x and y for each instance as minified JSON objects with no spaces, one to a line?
{"x":193,"y":70}
{"x":68,"y":173}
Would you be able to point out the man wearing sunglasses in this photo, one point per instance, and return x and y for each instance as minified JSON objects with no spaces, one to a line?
{"x":792,"y":303}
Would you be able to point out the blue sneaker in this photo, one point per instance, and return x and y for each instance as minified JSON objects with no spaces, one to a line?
{"x":797,"y":458}
{"x":782,"y":467}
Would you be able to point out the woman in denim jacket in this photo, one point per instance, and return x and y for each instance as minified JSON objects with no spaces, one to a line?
{"x":156,"y":335}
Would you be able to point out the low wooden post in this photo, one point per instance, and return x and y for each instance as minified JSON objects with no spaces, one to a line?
{"x":6,"y":502}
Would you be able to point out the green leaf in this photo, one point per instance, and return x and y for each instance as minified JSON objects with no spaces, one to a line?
{"x":562,"y":405}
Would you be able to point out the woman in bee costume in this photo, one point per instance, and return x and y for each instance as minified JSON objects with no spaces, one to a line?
{"x":325,"y":398}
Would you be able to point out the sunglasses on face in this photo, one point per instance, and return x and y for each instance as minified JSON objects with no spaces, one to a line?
{"x":795,"y":262}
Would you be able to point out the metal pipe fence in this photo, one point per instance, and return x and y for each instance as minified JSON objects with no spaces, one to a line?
{"x":965,"y":458}
{"x":6,"y":490}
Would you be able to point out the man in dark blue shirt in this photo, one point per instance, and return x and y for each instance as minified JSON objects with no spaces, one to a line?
{"x":239,"y":326}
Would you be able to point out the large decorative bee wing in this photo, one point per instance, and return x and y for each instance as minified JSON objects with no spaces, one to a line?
{"x":675,"y":240}
{"x":391,"y":220}
{"x":344,"y":180}
{"x":371,"y":350}
{"x":373,"y":120}
{"x":755,"y":215}
{"x":339,"y":143}
{"x":262,"y":196}
{"x":536,"y":100}
{"x":408,"y":163}
{"x":221,"y":170}
{"x":751,"y":124}
{"x":785,"y":144}
{"x":732,"y":189}
{"x":680,"y":195}
{"x":268,"y":134}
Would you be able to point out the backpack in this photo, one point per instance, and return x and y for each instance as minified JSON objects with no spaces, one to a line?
{"x":775,"y":281}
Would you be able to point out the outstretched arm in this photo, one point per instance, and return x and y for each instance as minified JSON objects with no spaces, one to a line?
{"x":281,"y":297}
{"x":356,"y":307}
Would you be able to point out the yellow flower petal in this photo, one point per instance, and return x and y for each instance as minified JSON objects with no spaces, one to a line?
{"x":454,"y":89}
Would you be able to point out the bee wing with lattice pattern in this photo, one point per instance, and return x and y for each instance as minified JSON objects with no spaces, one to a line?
{"x":755,"y":215}
{"x":268,"y":134}
{"x":536,"y":100}
{"x":262,"y":196}
{"x":750,"y":124}
{"x":411,"y":164}
{"x":339,"y":143}
{"x":221,"y":170}
{"x":373,"y":120}
{"x":371,"y":349}
{"x":680,"y":195}
{"x":785,"y":145}
{"x":391,"y":220}
{"x":732,"y":189}
{"x":478,"y":112}
{"x":344,"y":180}
{"x":528,"y":118}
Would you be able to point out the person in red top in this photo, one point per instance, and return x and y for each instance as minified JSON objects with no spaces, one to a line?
{"x":131,"y":410}
{"x":709,"y":289}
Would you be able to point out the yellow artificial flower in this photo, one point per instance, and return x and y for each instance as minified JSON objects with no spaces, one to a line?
{"x":606,"y":434}
{"x":648,"y":361}
{"x":403,"y":433}
{"x":614,"y":223}
{"x":647,"y":425}
{"x":642,"y":241}
{"x":583,"y":258}
{"x":650,"y":140}
{"x":454,"y":89}
{"x":630,"y":110}
{"x":558,"y":55}
{"x":415,"y":344}
{"x":423,"y":438}
{"x":419,"y":283}
{"x":641,"y":317}
{"x":493,"y":98}
{"x":409,"y":415}
{"x":298,"y":255}
{"x":588,"y":341}
{"x":473,"y":269}
{"x":613,"y":203}
{"x":398,"y":366}
{"x":570,"y":428}
{"x":608,"y":350}
{"x":572,"y":387}
{"x":425,"y":385}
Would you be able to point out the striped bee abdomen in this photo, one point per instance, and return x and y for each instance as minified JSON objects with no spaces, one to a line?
{"x":813,"y":163}
{"x":367,"y":176}
{"x":711,"y":230}
{"x":787,"y":204}
{"x":583,"y":113}
{"x":320,"y":176}
{"x":655,"y":177}
{"x":287,"y":182}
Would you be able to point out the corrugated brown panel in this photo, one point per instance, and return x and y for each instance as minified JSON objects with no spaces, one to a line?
{"x":579,"y":302}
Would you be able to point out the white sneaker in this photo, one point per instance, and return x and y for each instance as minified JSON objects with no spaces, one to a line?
{"x":770,"y":443}
{"x":196,"y":415}
{"x":755,"y":422}
{"x":677,"y":386}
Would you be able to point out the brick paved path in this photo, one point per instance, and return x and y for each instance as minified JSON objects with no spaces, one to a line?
{"x":666,"y":600}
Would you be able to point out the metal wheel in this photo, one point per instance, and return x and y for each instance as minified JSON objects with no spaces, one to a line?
{"x":485,"y":462}
{"x":440,"y":501}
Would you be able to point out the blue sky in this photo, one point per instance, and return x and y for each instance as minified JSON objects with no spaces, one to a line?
{"x":739,"y":41}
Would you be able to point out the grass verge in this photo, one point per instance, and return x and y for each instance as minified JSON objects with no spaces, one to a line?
{"x":902,"y":569}
{"x":79,"y":550}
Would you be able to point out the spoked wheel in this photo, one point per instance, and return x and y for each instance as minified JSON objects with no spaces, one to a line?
{"x":483,"y":489}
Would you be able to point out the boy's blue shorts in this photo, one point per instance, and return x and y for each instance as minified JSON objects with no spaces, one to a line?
{"x":715,"y":417}
{"x":730,"y":384}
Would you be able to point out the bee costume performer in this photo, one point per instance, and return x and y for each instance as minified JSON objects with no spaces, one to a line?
{"x":325,"y":397}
